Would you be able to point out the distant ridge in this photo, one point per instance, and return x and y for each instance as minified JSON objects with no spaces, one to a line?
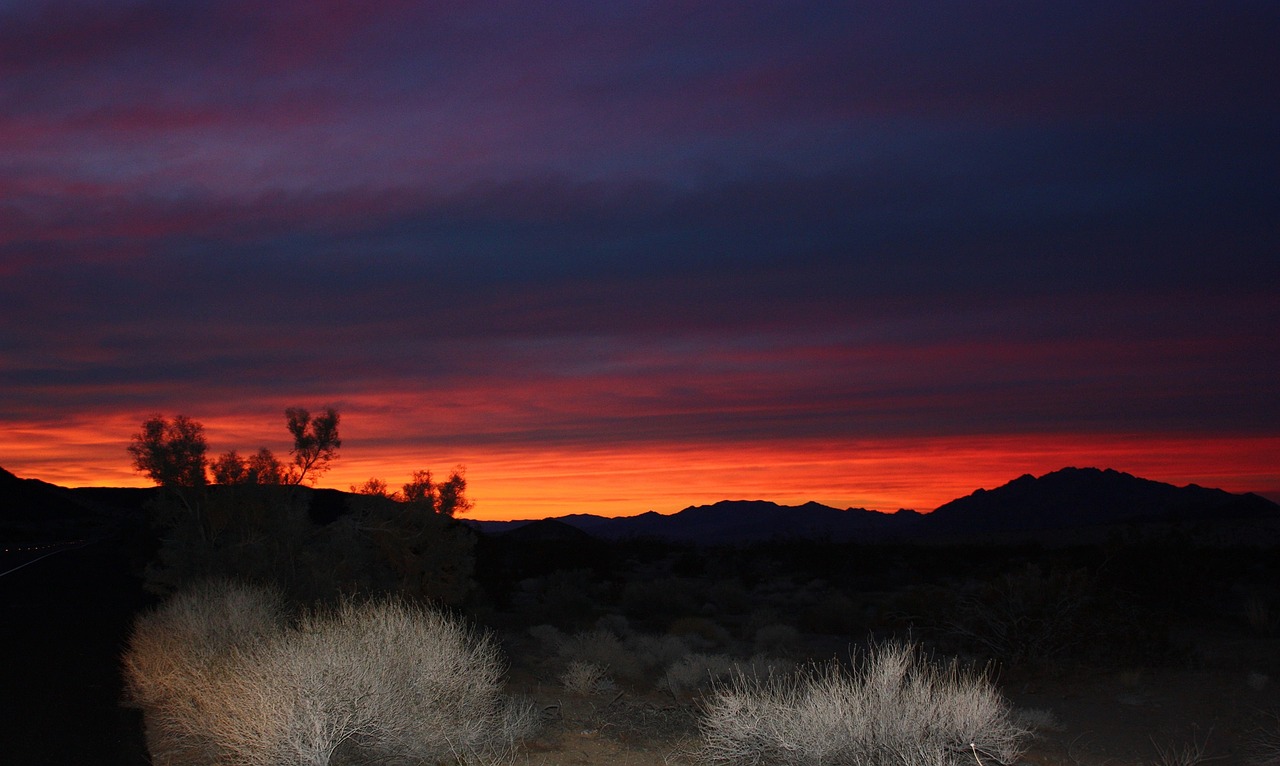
{"x":1068,"y":505}
{"x":1076,"y":497}
{"x":1071,"y":505}
{"x":736,"y":521}
{"x":548,"y":530}
{"x":31,"y":509}
{"x":32,"y":501}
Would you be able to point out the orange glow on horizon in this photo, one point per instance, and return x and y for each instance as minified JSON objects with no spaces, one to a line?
{"x":921,"y":474}
{"x":510,"y":483}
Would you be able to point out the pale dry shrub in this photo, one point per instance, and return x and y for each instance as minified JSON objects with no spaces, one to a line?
{"x":762,"y":666}
{"x":602,"y":648}
{"x":695,"y":673}
{"x":1037,"y":720}
{"x":584,"y":678}
{"x":262,"y":708}
{"x":1177,"y":754}
{"x":1263,"y":745}
{"x":185,"y":645}
{"x":426,"y":685}
{"x":892,"y":709}
{"x":1185,"y":753}
{"x":658,"y":652}
{"x":383,"y":679}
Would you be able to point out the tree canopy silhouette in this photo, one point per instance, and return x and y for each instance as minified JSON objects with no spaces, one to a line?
{"x":423,"y":492}
{"x":315,"y":442}
{"x":446,"y":498}
{"x":171,"y":452}
{"x":405,"y":541}
{"x":262,"y":467}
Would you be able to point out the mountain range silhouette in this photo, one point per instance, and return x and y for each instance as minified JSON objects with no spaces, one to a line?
{"x":1071,"y":505}
{"x":1076,"y":505}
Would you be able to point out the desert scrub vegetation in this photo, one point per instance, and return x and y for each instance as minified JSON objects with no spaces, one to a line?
{"x":585,"y":678}
{"x":892,"y":708}
{"x":1036,"y":617}
{"x":316,"y":544}
{"x":223,"y":676}
{"x":696,"y":674}
{"x":1263,"y":745}
{"x":182,"y":647}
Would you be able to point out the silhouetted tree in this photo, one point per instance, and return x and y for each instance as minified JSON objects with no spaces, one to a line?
{"x":243,"y":528}
{"x":171,"y":452}
{"x":420,"y":548}
{"x":228,"y":468}
{"x":246,"y":529}
{"x":260,"y":468}
{"x":265,"y":468}
{"x":420,"y":490}
{"x":315,"y":442}
{"x":374,"y":487}
{"x":451,"y":495}
{"x":446,"y":498}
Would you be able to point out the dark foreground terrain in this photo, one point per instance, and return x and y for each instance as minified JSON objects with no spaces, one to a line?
{"x":1157,"y":654}
{"x":66,"y":620}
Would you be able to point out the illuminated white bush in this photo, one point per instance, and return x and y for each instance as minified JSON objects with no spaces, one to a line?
{"x":893,"y":709}
{"x":180,"y":650}
{"x":381,"y":680}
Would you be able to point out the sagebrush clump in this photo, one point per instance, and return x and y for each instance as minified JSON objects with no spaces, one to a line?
{"x":892,"y":709}
{"x":223,"y":677}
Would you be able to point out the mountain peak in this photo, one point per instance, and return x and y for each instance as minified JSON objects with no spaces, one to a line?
{"x":1073,"y":497}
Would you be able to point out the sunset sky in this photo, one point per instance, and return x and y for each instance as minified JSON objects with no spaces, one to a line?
{"x":622,"y":256}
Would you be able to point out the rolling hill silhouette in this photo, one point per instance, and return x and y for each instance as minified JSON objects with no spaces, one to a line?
{"x":31,"y":509}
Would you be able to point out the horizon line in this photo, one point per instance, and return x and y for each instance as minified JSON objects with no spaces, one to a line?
{"x":527,"y":519}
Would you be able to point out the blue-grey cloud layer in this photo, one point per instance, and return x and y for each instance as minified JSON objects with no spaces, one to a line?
{"x":664,"y":220}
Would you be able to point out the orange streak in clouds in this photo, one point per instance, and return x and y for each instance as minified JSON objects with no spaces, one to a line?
{"x":884,"y":474}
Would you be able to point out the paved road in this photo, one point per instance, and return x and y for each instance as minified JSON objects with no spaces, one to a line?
{"x":65,"y":613}
{"x":15,"y":556}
